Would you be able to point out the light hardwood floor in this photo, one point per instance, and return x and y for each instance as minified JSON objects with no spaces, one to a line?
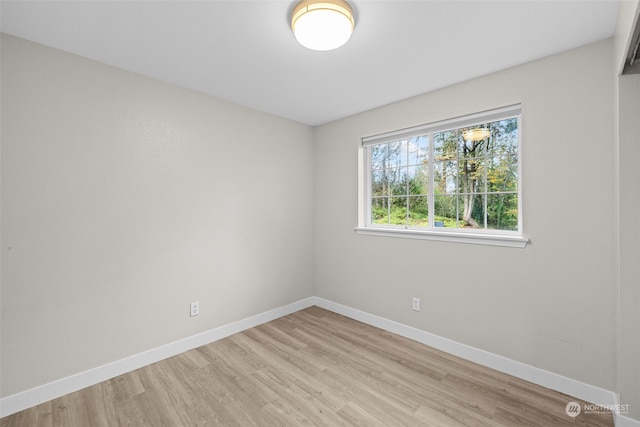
{"x":313,"y":367}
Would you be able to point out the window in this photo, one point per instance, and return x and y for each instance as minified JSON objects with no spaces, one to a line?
{"x":453,"y":180}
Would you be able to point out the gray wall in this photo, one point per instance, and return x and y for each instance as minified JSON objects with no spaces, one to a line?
{"x":550,"y":305}
{"x":123,"y":200}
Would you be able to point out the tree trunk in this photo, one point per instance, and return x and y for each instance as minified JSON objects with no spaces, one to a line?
{"x":468,"y":209}
{"x":469,"y":187}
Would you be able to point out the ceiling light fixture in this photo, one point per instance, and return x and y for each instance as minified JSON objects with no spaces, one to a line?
{"x":322,"y":24}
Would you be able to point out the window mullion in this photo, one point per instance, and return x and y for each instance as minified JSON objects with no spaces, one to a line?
{"x":406,"y":186}
{"x":367,"y":188}
{"x":430,"y":183}
{"x":519,"y":182}
{"x":486,"y":187}
{"x":389,"y":190}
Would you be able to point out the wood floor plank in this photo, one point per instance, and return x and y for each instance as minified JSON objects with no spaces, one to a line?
{"x":354,"y":415}
{"x":429,"y":416}
{"x":38,"y":416}
{"x":316,"y":368}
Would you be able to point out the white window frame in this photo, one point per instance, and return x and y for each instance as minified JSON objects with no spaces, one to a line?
{"x":473,"y":236}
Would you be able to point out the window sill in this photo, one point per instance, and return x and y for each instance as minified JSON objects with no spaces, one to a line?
{"x":444,"y":236}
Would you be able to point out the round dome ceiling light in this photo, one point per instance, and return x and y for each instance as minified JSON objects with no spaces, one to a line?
{"x":322,"y":24}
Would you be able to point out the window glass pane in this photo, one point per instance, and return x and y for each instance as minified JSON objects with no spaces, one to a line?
{"x":418,"y":211}
{"x":379,"y":210}
{"x":444,"y":177}
{"x":502,"y":174}
{"x":471,"y":176}
{"x":476,"y":133}
{"x":472,"y":149}
{"x":397,"y":156}
{"x":398,"y":211}
{"x":404,"y":152}
{"x":418,"y":150}
{"x":397,"y":180}
{"x":504,"y":137}
{"x":379,"y":154}
{"x":379,"y":183}
{"x":445,"y":145}
{"x":502,"y":211}
{"x":417,"y":180}
{"x":445,"y":211}
{"x":471,"y":210}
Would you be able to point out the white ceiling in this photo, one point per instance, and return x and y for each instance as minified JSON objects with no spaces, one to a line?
{"x":244,"y":51}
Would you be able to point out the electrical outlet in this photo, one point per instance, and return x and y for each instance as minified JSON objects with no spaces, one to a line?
{"x":195,"y":308}
{"x":415,"y":306}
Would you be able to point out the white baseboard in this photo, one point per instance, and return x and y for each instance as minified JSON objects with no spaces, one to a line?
{"x":624,"y":421}
{"x":532,"y":374}
{"x":35,"y":396}
{"x":620,"y":419}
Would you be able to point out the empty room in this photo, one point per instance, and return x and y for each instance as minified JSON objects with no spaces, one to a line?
{"x":320,"y":212}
